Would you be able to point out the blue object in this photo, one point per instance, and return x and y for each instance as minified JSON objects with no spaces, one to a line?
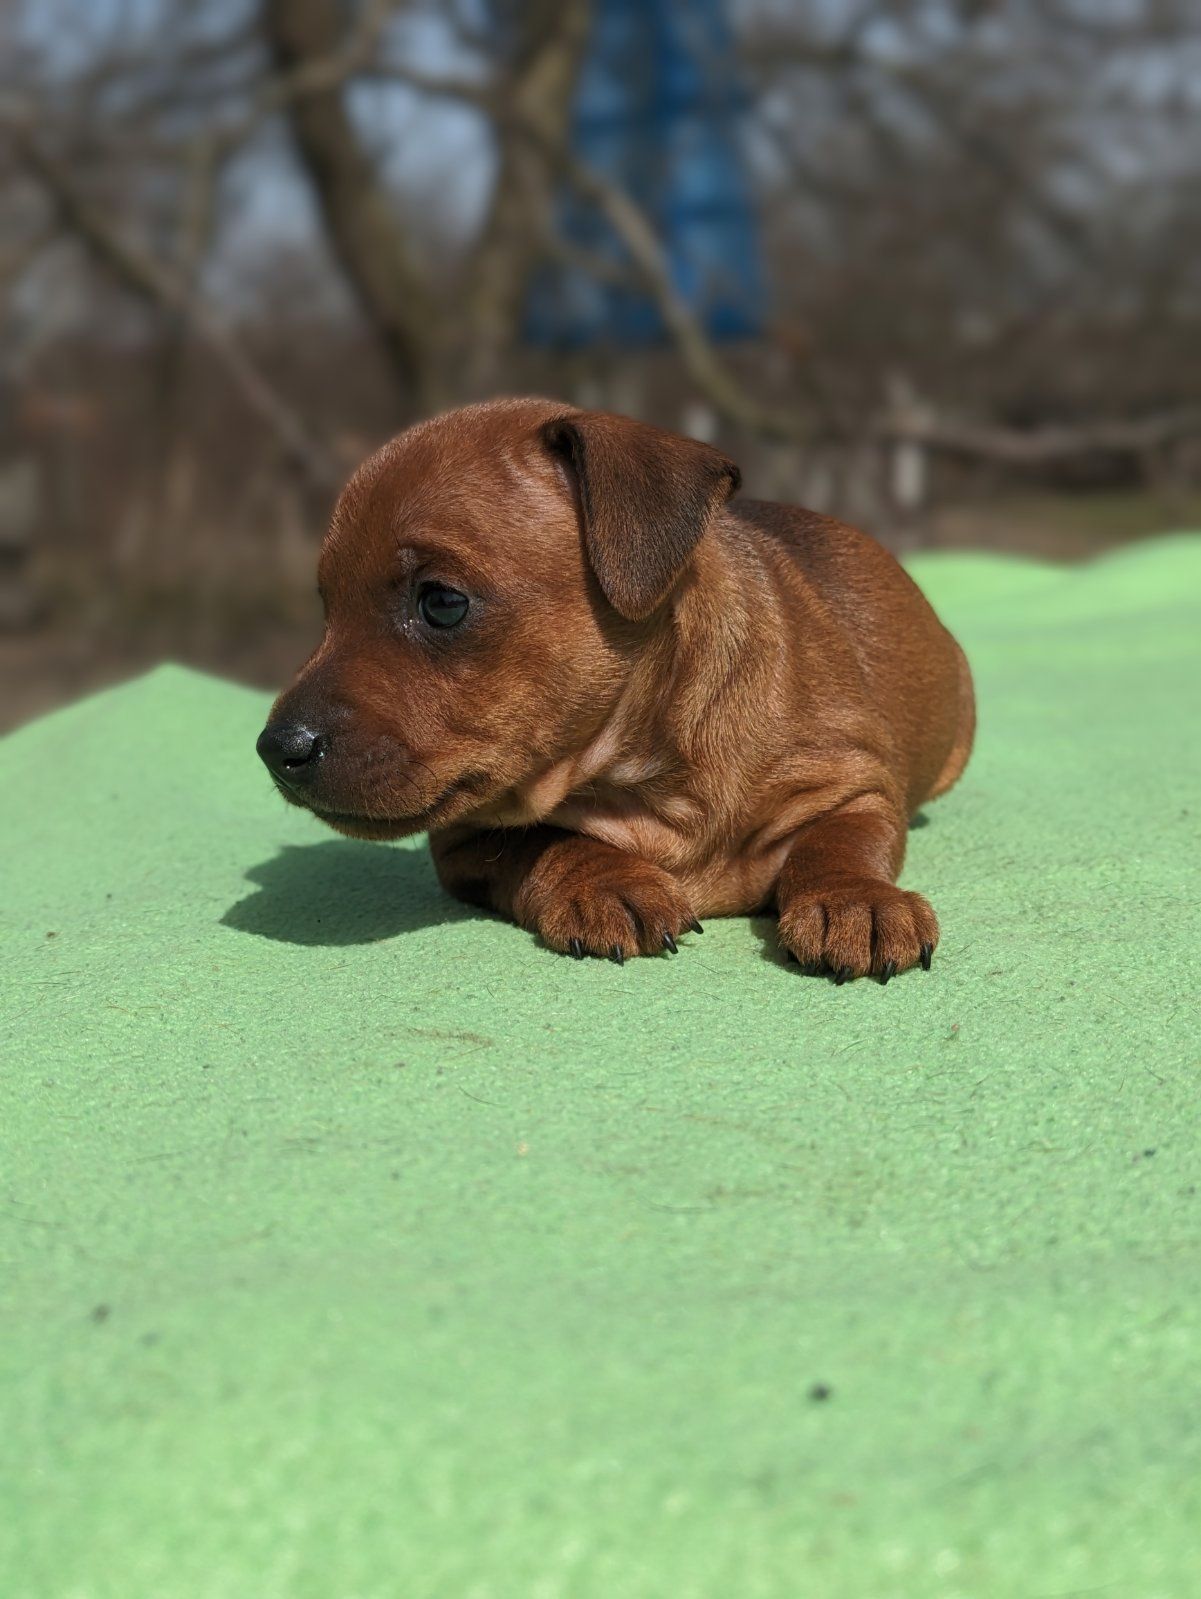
{"x":656,"y":112}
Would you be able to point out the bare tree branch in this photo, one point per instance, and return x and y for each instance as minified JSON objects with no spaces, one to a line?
{"x":148,"y":277}
{"x":730,"y":399}
{"x":535,"y":86}
{"x":361,"y":218}
{"x":1042,"y":446}
{"x":710,"y":374}
{"x":320,"y":47}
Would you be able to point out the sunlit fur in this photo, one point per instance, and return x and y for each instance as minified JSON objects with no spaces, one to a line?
{"x":756,"y":729}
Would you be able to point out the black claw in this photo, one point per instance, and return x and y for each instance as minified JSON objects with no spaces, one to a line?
{"x":670,"y":943}
{"x":577,"y":949}
{"x":888,"y":972}
{"x":841,"y":976}
{"x":927,"y":952}
{"x":616,"y":954}
{"x":696,"y":926}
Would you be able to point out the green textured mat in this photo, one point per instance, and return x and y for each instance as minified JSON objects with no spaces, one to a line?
{"x":354,"y":1246}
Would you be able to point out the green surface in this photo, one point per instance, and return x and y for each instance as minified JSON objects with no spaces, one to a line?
{"x":355,"y":1246}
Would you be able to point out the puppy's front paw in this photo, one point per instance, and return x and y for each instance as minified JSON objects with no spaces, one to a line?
{"x":587,"y":898}
{"x":859,"y":926}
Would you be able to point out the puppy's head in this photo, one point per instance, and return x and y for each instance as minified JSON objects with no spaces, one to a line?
{"x":488,"y":579}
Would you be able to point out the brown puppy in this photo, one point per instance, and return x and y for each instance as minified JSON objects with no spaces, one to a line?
{"x":619,"y":700}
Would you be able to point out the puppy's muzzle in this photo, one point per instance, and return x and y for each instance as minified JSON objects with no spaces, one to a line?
{"x":292,"y":752}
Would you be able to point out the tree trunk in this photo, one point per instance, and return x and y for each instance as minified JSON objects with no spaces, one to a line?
{"x":550,"y":36}
{"x":361,"y":217}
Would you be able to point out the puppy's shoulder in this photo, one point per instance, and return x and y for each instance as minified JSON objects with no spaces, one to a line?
{"x":822,"y":546}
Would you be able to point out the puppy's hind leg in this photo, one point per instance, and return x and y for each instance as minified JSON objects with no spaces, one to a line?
{"x":839,"y":907}
{"x":965,"y":731}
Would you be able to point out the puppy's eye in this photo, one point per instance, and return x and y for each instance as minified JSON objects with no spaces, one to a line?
{"x":440,"y":606}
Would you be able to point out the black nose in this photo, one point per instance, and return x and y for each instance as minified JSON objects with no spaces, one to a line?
{"x":291,"y":752}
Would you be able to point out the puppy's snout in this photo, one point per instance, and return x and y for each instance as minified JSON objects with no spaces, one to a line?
{"x":291,"y":752}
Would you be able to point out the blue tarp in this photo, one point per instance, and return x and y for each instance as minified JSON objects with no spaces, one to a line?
{"x":657,"y":111}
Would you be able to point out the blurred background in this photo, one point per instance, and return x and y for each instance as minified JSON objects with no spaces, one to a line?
{"x":934,"y":265}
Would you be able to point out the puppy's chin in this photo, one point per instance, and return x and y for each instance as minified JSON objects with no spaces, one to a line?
{"x":368,"y":827}
{"x":454,"y":800}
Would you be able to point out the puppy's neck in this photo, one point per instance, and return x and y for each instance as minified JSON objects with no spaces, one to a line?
{"x":727,"y":635}
{"x":673,"y":753}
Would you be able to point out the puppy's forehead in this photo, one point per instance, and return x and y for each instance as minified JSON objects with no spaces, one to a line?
{"x":476,"y":483}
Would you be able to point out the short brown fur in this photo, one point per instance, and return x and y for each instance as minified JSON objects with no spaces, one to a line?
{"x":664,"y":703}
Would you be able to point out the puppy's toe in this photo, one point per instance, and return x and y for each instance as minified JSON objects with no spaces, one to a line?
{"x":854,"y":928}
{"x":905,"y":928}
{"x":600,"y":902}
{"x":848,"y":950}
{"x":803,"y":930}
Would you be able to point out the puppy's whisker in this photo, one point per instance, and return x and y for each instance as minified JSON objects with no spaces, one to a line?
{"x":428,"y":770}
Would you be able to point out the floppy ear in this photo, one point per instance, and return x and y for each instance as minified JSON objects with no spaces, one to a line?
{"x":645,"y":496}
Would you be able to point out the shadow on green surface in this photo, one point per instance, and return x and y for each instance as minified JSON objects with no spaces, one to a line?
{"x":341,"y":892}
